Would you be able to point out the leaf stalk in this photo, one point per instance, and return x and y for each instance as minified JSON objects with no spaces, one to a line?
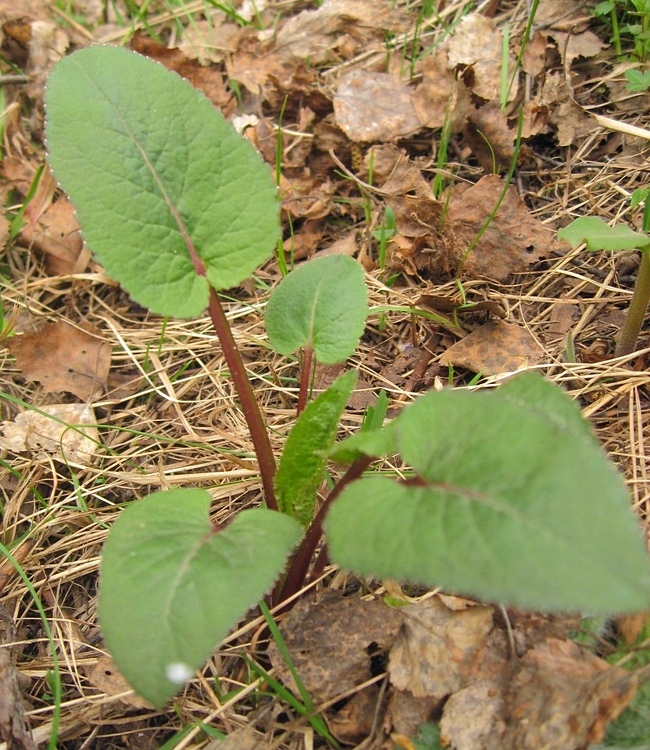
{"x":249,"y":404}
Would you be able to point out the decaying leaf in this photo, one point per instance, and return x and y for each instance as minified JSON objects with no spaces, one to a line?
{"x":476,"y":47}
{"x":374,"y":107}
{"x":106,"y":677}
{"x":563,"y":697}
{"x":439,"y":650}
{"x":63,"y":357}
{"x":494,"y":348}
{"x":68,"y":434}
{"x":338,"y":28}
{"x":331,"y":642}
{"x":437,"y":96}
{"x":55,"y":234}
{"x":513,"y":239}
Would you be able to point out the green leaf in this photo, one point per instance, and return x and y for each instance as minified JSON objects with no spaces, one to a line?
{"x":598,"y":235}
{"x":322,"y":304}
{"x":514,"y":501}
{"x":637,"y":80}
{"x":162,"y":184}
{"x":303,"y":461}
{"x":172,"y":585}
{"x":374,"y":443}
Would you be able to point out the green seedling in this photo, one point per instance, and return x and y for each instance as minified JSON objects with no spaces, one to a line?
{"x":385,"y":232}
{"x":178,"y":208}
{"x":597,"y":235}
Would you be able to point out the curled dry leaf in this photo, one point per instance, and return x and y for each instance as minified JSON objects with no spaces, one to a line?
{"x":477,"y":46}
{"x":52,"y":435}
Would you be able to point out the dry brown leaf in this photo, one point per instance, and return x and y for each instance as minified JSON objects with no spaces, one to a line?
{"x":533,"y":61}
{"x":303,"y":242}
{"x":563,"y":697}
{"x":63,"y":357}
{"x":512,"y":241}
{"x":630,"y":627}
{"x":37,"y":433}
{"x":472,"y":717}
{"x":405,"y":713}
{"x":490,"y":137}
{"x":57,"y":236}
{"x":476,"y":45}
{"x":565,"y":114}
{"x":572,"y":46}
{"x":210,"y":39}
{"x":339,"y":29}
{"x":331,"y":642}
{"x":353,"y":722}
{"x":374,"y":107}
{"x":305,"y":197}
{"x":106,"y":677}
{"x":440,"y":651}
{"x":494,"y":348}
{"x":564,"y":15}
{"x":252,"y":68}
{"x":432,"y":97}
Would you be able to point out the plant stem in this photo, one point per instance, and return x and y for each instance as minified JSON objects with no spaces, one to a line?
{"x":305,"y":378}
{"x":637,"y":309}
{"x":249,"y":405}
{"x":300,"y":563}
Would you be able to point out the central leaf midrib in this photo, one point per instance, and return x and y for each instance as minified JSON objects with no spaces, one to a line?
{"x":182,"y":228}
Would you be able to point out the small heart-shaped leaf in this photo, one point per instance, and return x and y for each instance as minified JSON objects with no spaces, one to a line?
{"x":323,"y":304}
{"x":172,"y":586}
{"x":167,"y":194}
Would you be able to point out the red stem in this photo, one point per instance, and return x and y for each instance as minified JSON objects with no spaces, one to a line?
{"x":249,"y":405}
{"x":299,"y":567}
{"x":305,"y":378}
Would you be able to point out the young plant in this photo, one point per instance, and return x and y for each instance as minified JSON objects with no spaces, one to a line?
{"x":507,"y":495}
{"x":597,"y":235}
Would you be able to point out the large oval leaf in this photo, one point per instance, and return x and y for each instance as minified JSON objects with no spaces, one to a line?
{"x":156,"y":174}
{"x":171,"y":586}
{"x":323,"y":304}
{"x":514,"y":501}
